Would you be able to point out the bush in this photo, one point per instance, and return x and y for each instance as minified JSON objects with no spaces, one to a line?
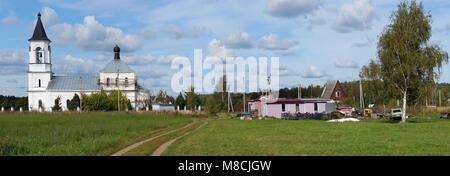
{"x":312,"y":116}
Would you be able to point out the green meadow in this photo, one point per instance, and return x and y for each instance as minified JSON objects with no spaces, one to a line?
{"x":80,"y":134}
{"x":424,"y":136}
{"x":104,"y":133}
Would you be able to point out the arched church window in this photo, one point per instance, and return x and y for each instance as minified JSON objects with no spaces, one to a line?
{"x":39,"y":83}
{"x":40,"y":104}
{"x":67,"y":103}
{"x":126,"y":82}
{"x":107,"y":82}
{"x":39,"y":55}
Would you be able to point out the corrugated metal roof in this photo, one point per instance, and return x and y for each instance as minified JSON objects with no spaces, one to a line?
{"x":72,"y":83}
{"x":328,"y":90}
{"x":117,"y":65}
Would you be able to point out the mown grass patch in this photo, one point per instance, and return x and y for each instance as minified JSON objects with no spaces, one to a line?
{"x":79,"y":134}
{"x":424,"y":135}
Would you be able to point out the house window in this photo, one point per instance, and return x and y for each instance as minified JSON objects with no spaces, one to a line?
{"x":283,"y":107}
{"x":126,"y":82}
{"x":117,"y":82}
{"x":107,"y":82}
{"x":338,"y":94}
{"x":39,"y":83}
{"x":297,"y":107}
{"x":316,"y":108}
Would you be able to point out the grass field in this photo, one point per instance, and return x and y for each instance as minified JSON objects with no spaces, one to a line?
{"x":420,"y":136}
{"x":80,"y":134}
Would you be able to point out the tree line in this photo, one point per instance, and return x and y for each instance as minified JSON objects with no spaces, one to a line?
{"x":16,"y":102}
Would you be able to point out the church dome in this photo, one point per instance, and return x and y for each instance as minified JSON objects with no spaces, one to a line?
{"x":116,"y":49}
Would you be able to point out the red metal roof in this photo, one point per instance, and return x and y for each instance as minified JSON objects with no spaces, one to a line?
{"x":292,"y":101}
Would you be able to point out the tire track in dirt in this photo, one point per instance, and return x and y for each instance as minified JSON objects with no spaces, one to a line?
{"x":131,"y":147}
{"x":164,"y":146}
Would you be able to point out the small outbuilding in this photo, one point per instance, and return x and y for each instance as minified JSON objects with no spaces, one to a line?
{"x":276,"y":107}
{"x":333,"y":90}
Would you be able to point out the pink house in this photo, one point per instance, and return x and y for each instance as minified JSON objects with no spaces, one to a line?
{"x":277,"y":107}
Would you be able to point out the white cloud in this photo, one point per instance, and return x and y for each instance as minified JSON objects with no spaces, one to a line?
{"x":313,"y":72}
{"x":285,"y":71}
{"x":238,"y":39}
{"x":12,"y":57}
{"x":137,"y":59}
{"x":151,"y":73}
{"x":93,"y":36}
{"x":272,"y":42}
{"x":166,"y":60}
{"x":147,"y":33}
{"x":10,"y":20}
{"x":356,"y":16}
{"x":176,"y":32}
{"x":103,"y":56}
{"x":361,"y":44}
{"x":49,"y":16}
{"x":292,"y":8}
{"x":315,"y":22}
{"x":73,"y":65}
{"x":346,"y":64}
{"x":287,"y":52}
{"x":217,"y":49}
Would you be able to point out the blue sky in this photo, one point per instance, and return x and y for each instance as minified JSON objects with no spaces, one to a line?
{"x":316,"y":40}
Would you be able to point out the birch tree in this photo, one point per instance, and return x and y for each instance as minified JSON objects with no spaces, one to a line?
{"x":406,"y":58}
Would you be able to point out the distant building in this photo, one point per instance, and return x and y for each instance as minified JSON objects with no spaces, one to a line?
{"x":275,"y":107}
{"x":44,"y":86}
{"x":333,"y":90}
{"x":163,"y":107}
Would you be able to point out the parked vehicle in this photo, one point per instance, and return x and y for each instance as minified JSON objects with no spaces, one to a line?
{"x":243,"y":115}
{"x":358,"y":112}
{"x":347,"y":111}
{"x":367,"y":112}
{"x":396,"y":113}
{"x":444,"y":115}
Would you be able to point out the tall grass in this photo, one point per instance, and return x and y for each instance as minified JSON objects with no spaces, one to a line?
{"x":75,"y":133}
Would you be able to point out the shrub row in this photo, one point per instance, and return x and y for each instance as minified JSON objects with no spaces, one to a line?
{"x":313,"y":116}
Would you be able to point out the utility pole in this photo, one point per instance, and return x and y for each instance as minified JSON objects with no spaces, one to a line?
{"x":244,"y":95}
{"x":118,"y":91}
{"x":299,"y":91}
{"x":361,"y":97}
{"x":439,"y":97}
{"x":81,"y":97}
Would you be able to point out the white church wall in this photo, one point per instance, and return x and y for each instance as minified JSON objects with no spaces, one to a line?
{"x":33,"y":100}
{"x":113,"y":76}
{"x":33,"y":81}
{"x":65,"y":95}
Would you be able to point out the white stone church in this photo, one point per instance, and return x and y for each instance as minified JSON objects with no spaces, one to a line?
{"x":44,"y":87}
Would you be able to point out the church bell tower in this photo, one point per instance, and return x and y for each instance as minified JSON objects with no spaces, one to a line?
{"x":39,"y":65}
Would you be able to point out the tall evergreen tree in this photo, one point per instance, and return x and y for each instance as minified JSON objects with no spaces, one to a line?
{"x":180,"y":101}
